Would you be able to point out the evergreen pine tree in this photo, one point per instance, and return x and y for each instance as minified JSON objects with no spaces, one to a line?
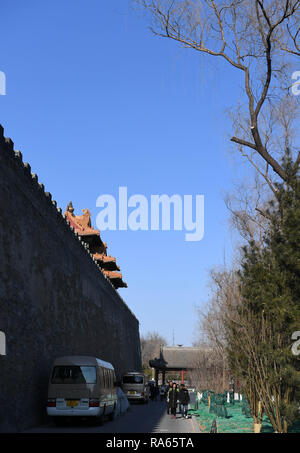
{"x":270,"y":289}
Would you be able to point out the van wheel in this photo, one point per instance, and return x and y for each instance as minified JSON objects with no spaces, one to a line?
{"x":111,"y":416}
{"x":101,"y":417}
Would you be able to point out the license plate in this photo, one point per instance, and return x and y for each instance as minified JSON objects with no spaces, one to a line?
{"x":72,"y":403}
{"x":132,"y":392}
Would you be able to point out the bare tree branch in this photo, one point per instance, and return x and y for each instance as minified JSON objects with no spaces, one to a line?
{"x":246,"y":34}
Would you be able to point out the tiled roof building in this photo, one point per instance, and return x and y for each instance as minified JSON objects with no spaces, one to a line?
{"x":175,"y":359}
{"x":91,"y":236}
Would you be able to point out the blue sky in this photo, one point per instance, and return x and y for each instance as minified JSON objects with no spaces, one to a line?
{"x":94,"y":101}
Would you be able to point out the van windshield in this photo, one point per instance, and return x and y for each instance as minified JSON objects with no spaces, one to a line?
{"x":133,"y":380}
{"x":74,"y":375}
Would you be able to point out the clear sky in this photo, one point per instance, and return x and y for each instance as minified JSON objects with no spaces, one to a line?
{"x":94,"y":101}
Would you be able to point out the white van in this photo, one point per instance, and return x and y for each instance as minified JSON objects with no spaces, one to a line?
{"x":135,"y":386}
{"x":82,"y":386}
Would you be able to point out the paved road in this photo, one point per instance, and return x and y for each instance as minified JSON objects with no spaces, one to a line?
{"x":141,"y":418}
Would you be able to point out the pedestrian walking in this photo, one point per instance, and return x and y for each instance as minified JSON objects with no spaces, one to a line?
{"x":168,"y":393}
{"x":184,"y":399}
{"x":152,"y":391}
{"x":173,"y":398}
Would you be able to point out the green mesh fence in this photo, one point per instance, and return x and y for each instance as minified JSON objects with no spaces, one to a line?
{"x":237,"y":418}
{"x":217,"y":404}
{"x":234,"y":421}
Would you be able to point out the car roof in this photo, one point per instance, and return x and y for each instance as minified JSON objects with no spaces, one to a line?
{"x":80,"y":360}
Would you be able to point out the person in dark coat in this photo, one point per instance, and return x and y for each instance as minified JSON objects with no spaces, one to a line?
{"x":152,"y":391}
{"x":184,"y":399}
{"x":168,"y":399}
{"x":173,"y":398}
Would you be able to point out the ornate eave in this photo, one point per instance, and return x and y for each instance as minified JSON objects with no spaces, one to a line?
{"x":115,"y":278}
{"x":106,"y":261}
{"x":82,"y":225}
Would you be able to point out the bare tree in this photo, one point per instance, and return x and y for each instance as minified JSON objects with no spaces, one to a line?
{"x":223,"y":329}
{"x":248,"y":342}
{"x":210,"y":371}
{"x":246,"y":203}
{"x":150,"y":346}
{"x":259,"y":38}
{"x":290,"y":40}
